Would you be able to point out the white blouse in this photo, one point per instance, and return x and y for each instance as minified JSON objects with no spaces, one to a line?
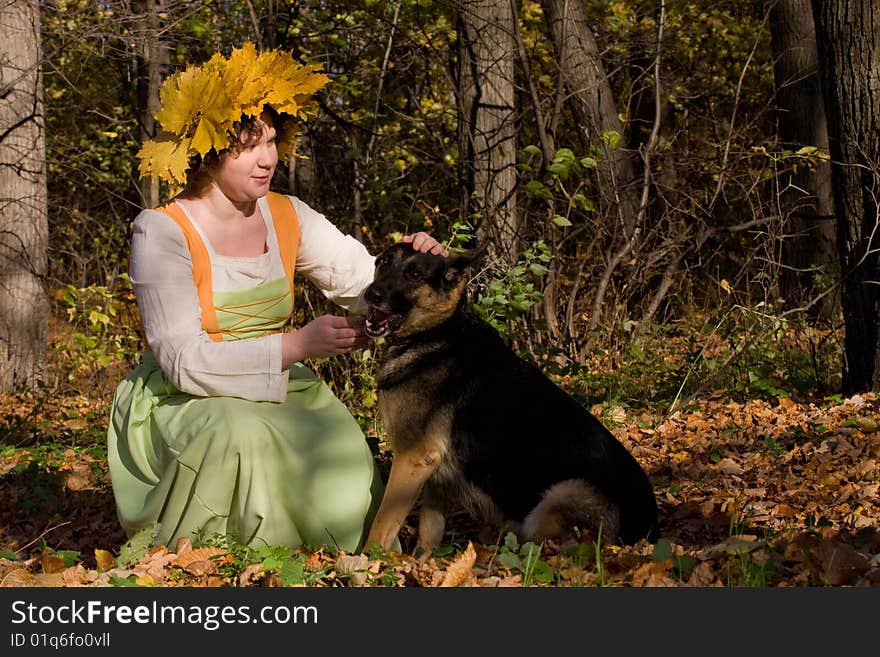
{"x":161,"y":273}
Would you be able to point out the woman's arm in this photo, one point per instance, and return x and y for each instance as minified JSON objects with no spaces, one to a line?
{"x":161,"y":272}
{"x":339,"y":265}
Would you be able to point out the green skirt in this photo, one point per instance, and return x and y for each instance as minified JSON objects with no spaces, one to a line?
{"x":293,"y":473}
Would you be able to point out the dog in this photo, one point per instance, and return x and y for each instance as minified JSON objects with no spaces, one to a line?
{"x":472,"y":425}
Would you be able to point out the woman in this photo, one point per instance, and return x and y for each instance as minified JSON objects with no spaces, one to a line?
{"x":221,"y":429}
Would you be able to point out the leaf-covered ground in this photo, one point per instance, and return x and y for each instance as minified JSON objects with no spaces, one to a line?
{"x":756,"y":493}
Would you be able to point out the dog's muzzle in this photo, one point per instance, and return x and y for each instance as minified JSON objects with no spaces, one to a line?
{"x":380,"y":323}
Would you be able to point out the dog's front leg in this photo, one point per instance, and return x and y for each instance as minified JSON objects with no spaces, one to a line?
{"x":409,"y":472}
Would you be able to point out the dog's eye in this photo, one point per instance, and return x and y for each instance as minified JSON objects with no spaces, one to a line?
{"x":383,"y":260}
{"x":413,"y":274}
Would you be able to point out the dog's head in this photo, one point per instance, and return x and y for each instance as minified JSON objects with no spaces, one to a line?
{"x":412,"y":292}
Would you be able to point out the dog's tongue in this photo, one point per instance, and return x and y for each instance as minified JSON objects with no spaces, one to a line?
{"x":379,"y":316}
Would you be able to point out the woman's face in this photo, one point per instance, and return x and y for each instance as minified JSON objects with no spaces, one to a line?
{"x":245,"y":176}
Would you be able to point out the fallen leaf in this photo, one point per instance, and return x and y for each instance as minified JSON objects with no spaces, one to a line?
{"x":52,"y":563}
{"x":729,"y":466}
{"x":355,"y":566}
{"x":201,"y":554}
{"x":16,"y":578}
{"x":460,"y":569}
{"x":200,"y":567}
{"x":104,"y":559}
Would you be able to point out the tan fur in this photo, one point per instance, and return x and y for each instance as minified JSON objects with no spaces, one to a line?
{"x":571,"y":503}
{"x":415,"y":459}
{"x":417,"y":403}
{"x":431,"y":308}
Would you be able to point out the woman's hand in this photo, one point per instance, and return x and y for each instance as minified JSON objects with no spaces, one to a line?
{"x":426,"y":244}
{"x":327,"y":335}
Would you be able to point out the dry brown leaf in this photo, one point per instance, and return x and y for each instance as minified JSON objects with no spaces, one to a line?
{"x":210,"y":554}
{"x":51,"y":563}
{"x":184,"y":545}
{"x":729,"y":466}
{"x":354,"y":565}
{"x":54,"y":580}
{"x":200,"y":567}
{"x":16,"y":578}
{"x":703,"y":575}
{"x":78,"y":576}
{"x":787,"y":403}
{"x":458,"y":571}
{"x":652,"y":572}
{"x":251,"y":575}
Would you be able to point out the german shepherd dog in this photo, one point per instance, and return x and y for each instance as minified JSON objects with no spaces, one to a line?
{"x":470,"y":424}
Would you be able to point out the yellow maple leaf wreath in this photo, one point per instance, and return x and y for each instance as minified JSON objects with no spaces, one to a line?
{"x":200,"y":106}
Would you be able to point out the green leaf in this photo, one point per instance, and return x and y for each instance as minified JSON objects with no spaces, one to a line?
{"x":96,"y":317}
{"x":69,"y":557}
{"x":564,"y":156}
{"x":292,"y":572}
{"x":511,"y":542}
{"x":560,"y":221}
{"x":560,"y":170}
{"x":11,"y":556}
{"x":589,"y":162}
{"x":541,"y":572}
{"x":510,"y":560}
{"x":137,"y":546}
{"x":534,"y":186}
{"x":116,"y":580}
{"x":538,"y":270}
{"x":662,"y":550}
{"x":611,"y":138}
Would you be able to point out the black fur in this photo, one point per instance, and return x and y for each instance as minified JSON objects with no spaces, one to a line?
{"x":513,"y":433}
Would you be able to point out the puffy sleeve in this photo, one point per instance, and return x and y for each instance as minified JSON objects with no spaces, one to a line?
{"x":161,"y":273}
{"x":339,"y":265}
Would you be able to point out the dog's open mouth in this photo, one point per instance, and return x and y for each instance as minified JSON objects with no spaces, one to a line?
{"x":379,"y":323}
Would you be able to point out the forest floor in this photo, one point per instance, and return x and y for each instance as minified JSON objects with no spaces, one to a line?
{"x":754,"y":493}
{"x":778,"y":491}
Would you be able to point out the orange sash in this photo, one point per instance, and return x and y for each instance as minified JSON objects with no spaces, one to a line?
{"x":286,"y":231}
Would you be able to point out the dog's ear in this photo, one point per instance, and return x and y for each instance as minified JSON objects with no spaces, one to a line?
{"x":458,"y":263}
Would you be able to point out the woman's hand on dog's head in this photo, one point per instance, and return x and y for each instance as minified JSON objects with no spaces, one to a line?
{"x":426,"y":244}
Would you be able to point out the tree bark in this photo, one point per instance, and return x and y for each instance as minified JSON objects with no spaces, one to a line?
{"x":487,"y":130}
{"x":805,"y":192}
{"x":153,"y":62}
{"x":592,"y":102}
{"x":24,"y":232}
{"x":848,"y":37}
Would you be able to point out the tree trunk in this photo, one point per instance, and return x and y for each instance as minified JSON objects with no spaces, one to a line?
{"x":805,"y":192}
{"x":24,"y":232}
{"x":592,"y":102}
{"x":152,"y":66}
{"x":487,"y":131}
{"x":848,"y":36}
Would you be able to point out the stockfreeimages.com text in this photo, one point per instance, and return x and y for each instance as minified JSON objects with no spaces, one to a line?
{"x":210,"y":617}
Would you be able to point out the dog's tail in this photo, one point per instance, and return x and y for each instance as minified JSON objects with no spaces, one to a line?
{"x":568,"y":504}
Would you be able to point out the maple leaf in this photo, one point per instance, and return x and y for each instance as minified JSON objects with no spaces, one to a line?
{"x":245,"y":78}
{"x":294,"y":85}
{"x":195,"y":104}
{"x":165,"y":157}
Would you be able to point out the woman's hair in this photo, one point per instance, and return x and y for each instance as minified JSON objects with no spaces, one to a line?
{"x":246,"y":132}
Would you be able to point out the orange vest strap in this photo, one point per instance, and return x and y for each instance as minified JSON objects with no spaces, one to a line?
{"x":287,"y":233}
{"x":201,"y":262}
